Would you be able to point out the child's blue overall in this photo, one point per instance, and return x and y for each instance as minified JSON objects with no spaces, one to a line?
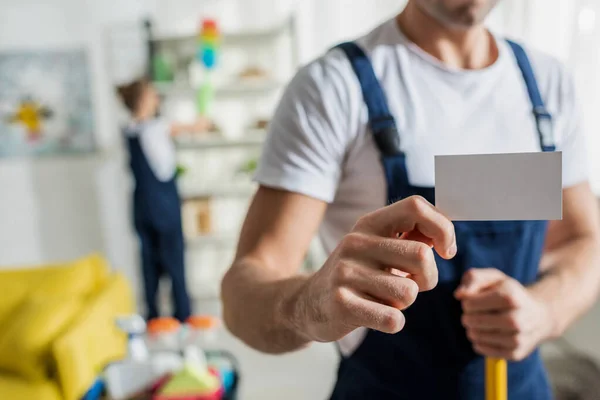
{"x":432,"y":359}
{"x":157,"y":218}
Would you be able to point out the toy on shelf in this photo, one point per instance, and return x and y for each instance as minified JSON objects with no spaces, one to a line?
{"x":208,"y":51}
{"x":261,"y":124}
{"x":162,"y":71}
{"x":249,"y":167}
{"x":253,"y":74}
{"x":197,"y":217}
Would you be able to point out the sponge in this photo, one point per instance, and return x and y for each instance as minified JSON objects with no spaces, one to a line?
{"x":192,"y":384}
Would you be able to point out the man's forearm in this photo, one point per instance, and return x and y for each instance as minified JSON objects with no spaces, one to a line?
{"x":260,"y":310}
{"x":570,"y":281}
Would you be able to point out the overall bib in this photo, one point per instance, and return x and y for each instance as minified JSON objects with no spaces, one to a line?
{"x":157,"y":219}
{"x":432,"y":359}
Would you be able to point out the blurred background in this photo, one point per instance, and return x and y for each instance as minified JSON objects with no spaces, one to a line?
{"x":67,"y":194}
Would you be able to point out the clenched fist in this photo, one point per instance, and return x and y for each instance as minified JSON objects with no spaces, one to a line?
{"x":376,"y":272}
{"x":503,"y":318}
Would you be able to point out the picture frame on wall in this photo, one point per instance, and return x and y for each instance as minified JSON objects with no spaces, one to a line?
{"x":45,"y":103}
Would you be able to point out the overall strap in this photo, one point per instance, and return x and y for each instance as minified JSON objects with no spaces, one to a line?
{"x":543,"y":118}
{"x":381,"y":121}
{"x":382,"y":124}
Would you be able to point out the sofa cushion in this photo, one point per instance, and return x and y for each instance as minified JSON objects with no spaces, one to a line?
{"x":15,"y":388}
{"x":26,"y":339}
{"x":93,"y":339}
{"x":79,"y":278}
{"x":14,"y":287}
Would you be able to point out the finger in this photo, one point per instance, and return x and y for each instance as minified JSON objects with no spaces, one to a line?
{"x":417,"y":236}
{"x":502,"y":322}
{"x":501,"y":340}
{"x":478,"y":279}
{"x":502,"y":297}
{"x":414,"y":258}
{"x":412,"y":214}
{"x":363,"y":312}
{"x":491,"y":351}
{"x":395,"y":291}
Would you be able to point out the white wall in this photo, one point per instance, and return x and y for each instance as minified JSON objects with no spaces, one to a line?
{"x":59,"y":208}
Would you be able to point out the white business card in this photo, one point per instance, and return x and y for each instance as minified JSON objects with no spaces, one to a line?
{"x":499,"y":187}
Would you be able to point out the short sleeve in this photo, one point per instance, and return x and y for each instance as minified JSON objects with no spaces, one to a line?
{"x":310,"y":132}
{"x":570,"y":134}
{"x":158,"y":148}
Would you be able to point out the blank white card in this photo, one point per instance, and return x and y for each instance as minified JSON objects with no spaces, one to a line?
{"x":499,"y":187}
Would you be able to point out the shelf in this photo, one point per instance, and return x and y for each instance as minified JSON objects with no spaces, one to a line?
{"x":254,"y":139}
{"x":234,"y":89}
{"x":232,"y":38}
{"x":217,"y":239}
{"x":242,"y":190}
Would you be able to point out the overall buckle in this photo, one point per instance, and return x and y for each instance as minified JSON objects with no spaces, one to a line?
{"x":386,"y":136}
{"x":545,"y":126}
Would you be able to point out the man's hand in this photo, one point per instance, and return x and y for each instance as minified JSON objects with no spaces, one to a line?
{"x":503,"y":319}
{"x":376,"y":271}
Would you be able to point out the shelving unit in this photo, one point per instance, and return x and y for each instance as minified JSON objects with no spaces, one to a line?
{"x":235,"y":38}
{"x":234,"y":89}
{"x":232,"y":191}
{"x":213,"y":162}
{"x":251,"y":140}
{"x":216,"y":176}
{"x":224,"y":239}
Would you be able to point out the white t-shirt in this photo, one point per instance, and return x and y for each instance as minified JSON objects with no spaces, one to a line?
{"x":157,"y":145}
{"x":319,"y":144}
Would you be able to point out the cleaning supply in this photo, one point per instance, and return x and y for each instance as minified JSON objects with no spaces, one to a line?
{"x":202,"y":337}
{"x":192,"y":384}
{"x":203,"y":329}
{"x":195,"y":341}
{"x":496,"y":383}
{"x":135,"y":327}
{"x":164,"y":335}
{"x":226,"y":366}
{"x":142,"y":368}
{"x":208,"y":51}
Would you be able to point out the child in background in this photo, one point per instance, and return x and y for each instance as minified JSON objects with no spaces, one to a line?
{"x":156,"y":202}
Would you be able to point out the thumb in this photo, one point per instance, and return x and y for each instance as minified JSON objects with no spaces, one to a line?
{"x":476,"y":280}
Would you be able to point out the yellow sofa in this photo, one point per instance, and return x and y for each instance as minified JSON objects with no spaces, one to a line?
{"x":57,"y":328}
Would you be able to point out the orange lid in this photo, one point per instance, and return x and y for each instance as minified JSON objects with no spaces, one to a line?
{"x":163,"y":325}
{"x":203,"y":322}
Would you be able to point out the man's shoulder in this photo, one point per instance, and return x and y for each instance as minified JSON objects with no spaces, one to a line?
{"x":334,"y":67}
{"x":330,"y":72}
{"x":381,"y":37}
{"x":549,"y":69}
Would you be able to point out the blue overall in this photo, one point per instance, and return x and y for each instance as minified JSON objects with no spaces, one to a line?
{"x":157,"y":218}
{"x":432,"y":359}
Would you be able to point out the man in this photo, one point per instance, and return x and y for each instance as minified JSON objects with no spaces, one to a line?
{"x":355,"y":130}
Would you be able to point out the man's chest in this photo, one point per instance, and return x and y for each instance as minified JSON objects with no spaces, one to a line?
{"x":431,"y":125}
{"x":488,"y":119}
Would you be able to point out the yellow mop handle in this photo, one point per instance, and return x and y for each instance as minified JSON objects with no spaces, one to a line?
{"x":496,"y":384}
